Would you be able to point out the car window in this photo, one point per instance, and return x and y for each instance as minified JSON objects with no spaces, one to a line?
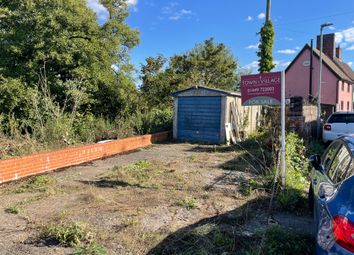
{"x":329,"y":155}
{"x":350,"y":118}
{"x":338,"y":169}
{"x":337,"y":118}
{"x":350,"y":171}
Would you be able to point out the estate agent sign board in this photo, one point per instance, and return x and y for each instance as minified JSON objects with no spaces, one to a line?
{"x":261,"y":89}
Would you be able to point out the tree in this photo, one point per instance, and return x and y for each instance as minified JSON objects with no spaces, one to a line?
{"x":208,"y":64}
{"x":62,"y":41}
{"x":266,"y":44}
{"x":157,"y":82}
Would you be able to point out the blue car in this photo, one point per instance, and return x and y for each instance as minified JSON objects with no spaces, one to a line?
{"x":331,"y":197}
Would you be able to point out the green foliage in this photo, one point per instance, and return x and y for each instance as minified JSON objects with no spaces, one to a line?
{"x":14,"y":209}
{"x":279,"y":241}
{"x":70,"y":235}
{"x":92,"y":248}
{"x":56,"y":75}
{"x":208,"y":64}
{"x":39,"y":183}
{"x":292,"y":197}
{"x":62,"y":40}
{"x":265,"y":52}
{"x":153,"y":121}
{"x":188,"y":202}
{"x":296,"y":161}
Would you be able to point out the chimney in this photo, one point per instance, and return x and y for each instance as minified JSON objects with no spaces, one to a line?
{"x":339,"y":53}
{"x":329,"y":44}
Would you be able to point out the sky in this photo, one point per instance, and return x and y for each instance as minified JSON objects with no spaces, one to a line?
{"x":174,"y":27}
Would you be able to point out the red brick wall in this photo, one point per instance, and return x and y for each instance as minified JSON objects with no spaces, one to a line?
{"x":15,"y":168}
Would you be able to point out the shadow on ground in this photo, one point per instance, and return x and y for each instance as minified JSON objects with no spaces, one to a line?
{"x":240,"y":231}
{"x":107,"y":183}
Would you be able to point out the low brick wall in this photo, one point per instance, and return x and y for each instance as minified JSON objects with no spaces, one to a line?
{"x":15,"y":168}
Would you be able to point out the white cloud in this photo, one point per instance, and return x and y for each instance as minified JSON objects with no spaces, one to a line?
{"x":99,"y":9}
{"x":339,"y":37}
{"x":350,"y":48}
{"x":285,"y":64}
{"x":261,"y":15}
{"x":186,"y":14}
{"x":132,"y":2}
{"x":297,"y":48}
{"x":288,"y":39}
{"x":169,"y":8}
{"x":332,"y":28}
{"x":252,"y":46}
{"x":249,"y":18}
{"x":343,"y":44}
{"x":346,"y":35}
{"x":350,"y":64}
{"x":287,"y":51}
{"x":251,"y":66}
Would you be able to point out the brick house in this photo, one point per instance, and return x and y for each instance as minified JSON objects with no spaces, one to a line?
{"x":337,"y":76}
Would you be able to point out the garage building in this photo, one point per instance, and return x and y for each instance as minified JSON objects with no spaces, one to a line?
{"x":200,"y":114}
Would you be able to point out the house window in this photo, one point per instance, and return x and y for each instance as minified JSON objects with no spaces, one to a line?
{"x":348,"y":106}
{"x":342,"y":86}
{"x":341,"y":105}
{"x":348,"y":88}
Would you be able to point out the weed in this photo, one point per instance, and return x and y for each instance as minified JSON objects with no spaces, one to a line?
{"x":279,"y":241}
{"x":39,"y":183}
{"x":14,"y":209}
{"x":135,"y":173}
{"x":203,"y":230}
{"x":242,"y":215}
{"x":129,"y":222}
{"x":188,"y":202}
{"x":222,"y":239}
{"x":70,"y":235}
{"x":291,"y":199}
{"x":92,"y":248}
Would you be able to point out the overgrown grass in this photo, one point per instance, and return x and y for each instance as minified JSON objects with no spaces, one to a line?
{"x":293,"y":196}
{"x":54,"y":131}
{"x":40,"y":183}
{"x":278,"y":241}
{"x":146,"y":174}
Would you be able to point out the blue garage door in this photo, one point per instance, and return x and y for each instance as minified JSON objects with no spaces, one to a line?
{"x":199,"y":119}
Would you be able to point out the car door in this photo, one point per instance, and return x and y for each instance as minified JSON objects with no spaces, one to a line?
{"x":319,"y":177}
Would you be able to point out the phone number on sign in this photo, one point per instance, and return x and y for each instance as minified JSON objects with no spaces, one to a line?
{"x":263,"y":89}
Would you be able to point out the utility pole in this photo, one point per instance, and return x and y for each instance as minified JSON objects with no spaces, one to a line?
{"x":320,"y":81}
{"x":269,"y":6}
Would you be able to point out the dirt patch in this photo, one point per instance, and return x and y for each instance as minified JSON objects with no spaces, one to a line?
{"x":133,"y":202}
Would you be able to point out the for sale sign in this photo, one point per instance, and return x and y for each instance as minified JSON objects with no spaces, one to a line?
{"x":261,"y":89}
